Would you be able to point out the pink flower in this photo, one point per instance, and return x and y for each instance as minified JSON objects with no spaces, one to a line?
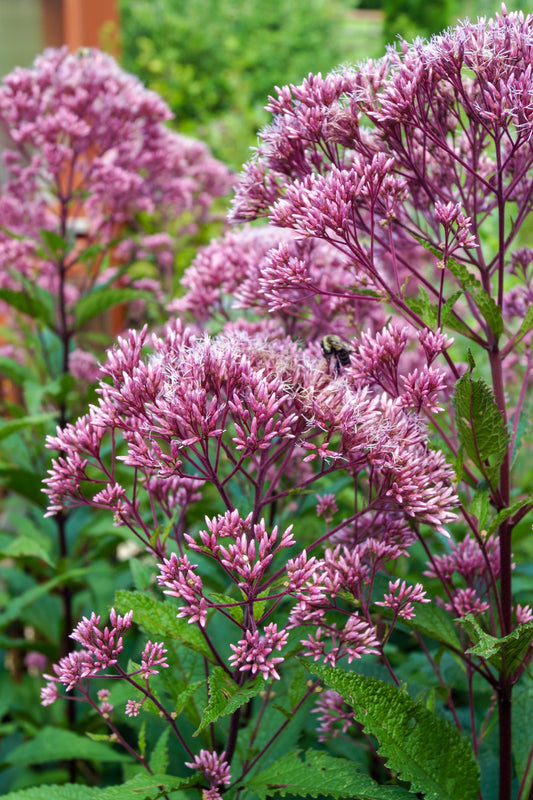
{"x":213,"y":766}
{"x":153,"y":655}
{"x":466,"y":601}
{"x":333,"y":714}
{"x":178,"y":575}
{"x":133,"y":708}
{"x":401,"y":597}
{"x":253,"y":652}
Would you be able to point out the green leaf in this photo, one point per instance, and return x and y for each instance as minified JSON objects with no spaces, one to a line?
{"x":225,"y":696}
{"x":433,"y":621}
{"x":17,"y":604}
{"x":480,"y":425}
{"x":505,"y":513}
{"x":27,"y":547}
{"x":142,"y":733}
{"x":422,"y":306}
{"x":506,"y":653}
{"x":160,"y":618}
{"x":159,"y":757}
{"x":30,"y":305}
{"x":22,"y":482}
{"x":102,"y":299}
{"x":18,"y":373}
{"x":9,"y":427}
{"x":68,"y":791}
{"x":480,"y":507}
{"x":410,"y":737}
{"x":429,"y":312}
{"x":319,"y":774}
{"x":57,"y":744}
{"x":522,"y":716}
{"x":485,"y":303}
{"x":447,"y":308}
{"x":161,"y":533}
{"x":471,"y":286}
{"x":56,"y":245}
{"x":298,"y":686}
{"x":146,"y":787}
{"x":527,"y":324}
{"x":141,"y":573}
{"x":523,"y":428}
{"x":182,"y":700}
{"x":236,"y":612}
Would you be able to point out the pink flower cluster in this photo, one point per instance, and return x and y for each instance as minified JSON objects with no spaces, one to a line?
{"x":215,"y":769}
{"x":101,"y":649}
{"x":477,"y":563}
{"x":362,"y":160}
{"x":85,"y":149}
{"x":401,"y":597}
{"x":268,"y":272}
{"x":234,"y":409}
{"x":208,"y":410}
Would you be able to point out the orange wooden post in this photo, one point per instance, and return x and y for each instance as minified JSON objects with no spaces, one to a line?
{"x":80,"y":23}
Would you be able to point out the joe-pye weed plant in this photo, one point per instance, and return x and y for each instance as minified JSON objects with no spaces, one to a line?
{"x":417,"y":170}
{"x":90,"y":174}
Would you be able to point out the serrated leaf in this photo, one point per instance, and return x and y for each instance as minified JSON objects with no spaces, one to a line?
{"x":102,"y":299}
{"x":159,"y":756}
{"x":523,"y":427}
{"x":182,"y":700}
{"x":69,"y":791}
{"x":225,"y":696}
{"x":410,"y":737}
{"x":506,"y":653}
{"x":26,"y":547}
{"x":422,"y":306}
{"x":141,"y":739}
{"x":160,"y":618}
{"x":470,"y":285}
{"x":480,"y":425}
{"x":433,"y":621}
{"x":141,"y":573}
{"x":429,"y":312}
{"x":298,"y":686}
{"x":57,"y":744}
{"x":146,"y":787}
{"x":485,"y":303}
{"x":480,"y":507}
{"x":319,"y":774}
{"x":447,"y":308}
{"x":228,"y":602}
{"x":505,"y":513}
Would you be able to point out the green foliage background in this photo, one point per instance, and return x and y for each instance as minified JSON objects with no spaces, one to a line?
{"x":216,"y":61}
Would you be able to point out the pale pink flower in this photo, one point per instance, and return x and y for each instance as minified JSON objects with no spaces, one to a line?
{"x":214,"y":767}
{"x":401,"y":597}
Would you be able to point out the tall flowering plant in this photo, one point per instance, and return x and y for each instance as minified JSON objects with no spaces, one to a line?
{"x":91,"y":181}
{"x":392,"y":590}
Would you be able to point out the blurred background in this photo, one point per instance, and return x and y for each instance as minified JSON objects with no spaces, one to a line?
{"x":216,"y":61}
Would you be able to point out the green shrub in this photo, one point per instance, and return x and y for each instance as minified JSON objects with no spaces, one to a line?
{"x":222,"y":58}
{"x":411,"y":18}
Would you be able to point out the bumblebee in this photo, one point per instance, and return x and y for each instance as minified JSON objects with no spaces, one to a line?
{"x":335,"y":347}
